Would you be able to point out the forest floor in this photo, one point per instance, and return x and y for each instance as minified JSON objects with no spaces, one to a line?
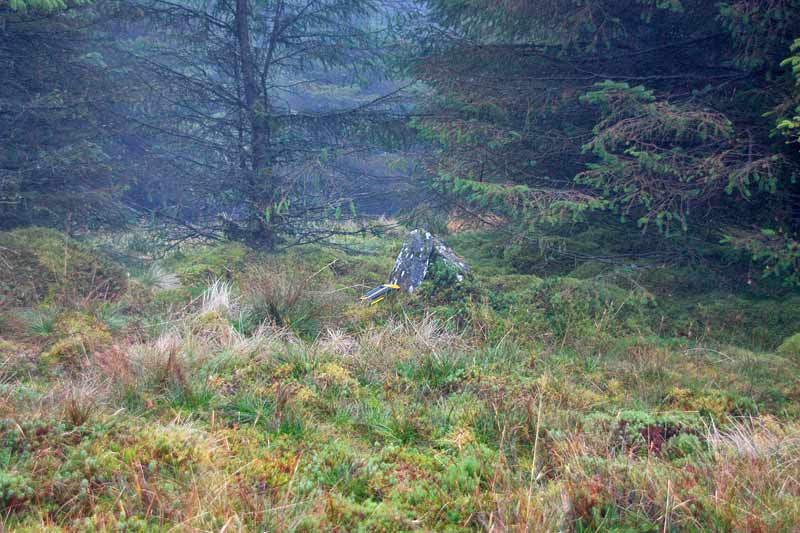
{"x":217,"y":389}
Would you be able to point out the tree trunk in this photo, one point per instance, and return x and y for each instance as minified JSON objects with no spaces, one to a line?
{"x":258,"y":186}
{"x":255,"y":114}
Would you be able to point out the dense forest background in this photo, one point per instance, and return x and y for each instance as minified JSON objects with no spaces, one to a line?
{"x":668,"y":127}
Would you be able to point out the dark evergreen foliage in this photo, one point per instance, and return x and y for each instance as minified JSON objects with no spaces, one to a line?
{"x":61,"y":153}
{"x":667,"y":114}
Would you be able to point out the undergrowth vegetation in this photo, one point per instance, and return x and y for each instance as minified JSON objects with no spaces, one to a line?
{"x":227,"y":390}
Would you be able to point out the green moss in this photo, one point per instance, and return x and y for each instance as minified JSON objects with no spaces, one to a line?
{"x":211,"y":323}
{"x":199,"y":266}
{"x":35,"y":260}
{"x":94,"y":333}
{"x":681,"y":280}
{"x":446,"y":285}
{"x":15,"y":491}
{"x":588,"y":308}
{"x":756,"y":323}
{"x":483,"y":251}
{"x":77,"y":334}
{"x":589,"y":269}
{"x":790,"y":347}
{"x":387,"y":423}
{"x":685,"y":445}
{"x":171,"y":298}
{"x":511,"y":283}
{"x":67,"y":352}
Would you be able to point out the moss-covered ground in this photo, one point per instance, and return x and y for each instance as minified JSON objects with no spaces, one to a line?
{"x":219,"y":389}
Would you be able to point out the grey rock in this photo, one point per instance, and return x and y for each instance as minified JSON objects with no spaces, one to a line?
{"x":412,"y":262}
{"x":447,"y":254}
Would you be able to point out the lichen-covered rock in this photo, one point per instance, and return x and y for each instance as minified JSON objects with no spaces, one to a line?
{"x":412,"y":262}
{"x":446,"y":254}
{"x":411,"y":265}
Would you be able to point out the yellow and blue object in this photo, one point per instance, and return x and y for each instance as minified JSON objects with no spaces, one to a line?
{"x":379,"y":293}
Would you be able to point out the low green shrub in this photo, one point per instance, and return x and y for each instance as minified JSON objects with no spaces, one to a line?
{"x":790,"y":347}
{"x":685,"y":445}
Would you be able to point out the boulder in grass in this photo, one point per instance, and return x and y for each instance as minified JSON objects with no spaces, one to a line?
{"x":420,"y":249}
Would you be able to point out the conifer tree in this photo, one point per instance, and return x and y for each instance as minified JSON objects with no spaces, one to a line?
{"x":661,"y":115}
{"x":60,"y":149}
{"x":236,"y":82}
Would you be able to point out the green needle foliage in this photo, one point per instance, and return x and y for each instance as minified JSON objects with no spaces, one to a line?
{"x":670,"y":116}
